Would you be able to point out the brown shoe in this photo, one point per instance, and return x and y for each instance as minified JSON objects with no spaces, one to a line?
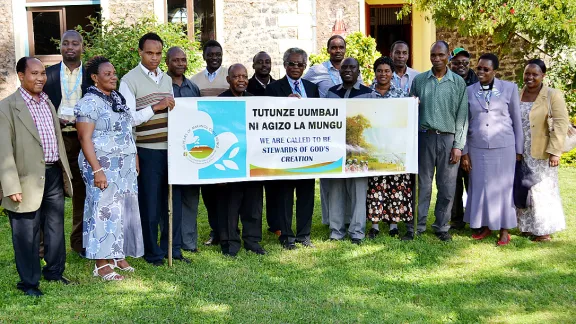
{"x":541,"y":238}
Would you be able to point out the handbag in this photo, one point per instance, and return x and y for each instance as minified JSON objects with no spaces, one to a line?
{"x":570,"y":141}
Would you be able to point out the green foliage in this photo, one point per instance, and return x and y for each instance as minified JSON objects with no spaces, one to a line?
{"x":358,"y":46}
{"x":562,"y":75}
{"x":546,"y":24}
{"x":118,"y":41}
{"x":568,"y":159}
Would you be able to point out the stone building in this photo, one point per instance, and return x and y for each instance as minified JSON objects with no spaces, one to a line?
{"x":243,"y":27}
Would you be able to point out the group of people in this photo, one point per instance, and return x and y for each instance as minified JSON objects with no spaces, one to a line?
{"x":68,"y":130}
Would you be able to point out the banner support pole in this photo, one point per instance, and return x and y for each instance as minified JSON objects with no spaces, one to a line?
{"x":170,"y":238}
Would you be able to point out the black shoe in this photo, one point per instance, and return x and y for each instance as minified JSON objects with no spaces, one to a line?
{"x":62,"y":279}
{"x":212,"y":241}
{"x":34,"y":292}
{"x":307,"y":243}
{"x":191,"y":250}
{"x":335,"y":239}
{"x":444,"y":236}
{"x":158,"y":263}
{"x":82,"y":254}
{"x":356,"y":241}
{"x":372,"y":233}
{"x":181,"y":258}
{"x":458,"y":226}
{"x":409,"y":236}
{"x":229,"y":254}
{"x":394,"y":232}
{"x":289,"y":245}
{"x":259,"y":251}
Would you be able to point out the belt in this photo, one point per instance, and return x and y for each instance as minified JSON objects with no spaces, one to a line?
{"x":70,"y":133}
{"x":434,"y":132}
{"x":50,"y":165}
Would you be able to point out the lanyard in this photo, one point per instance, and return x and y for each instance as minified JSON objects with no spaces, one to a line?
{"x":328,"y":67}
{"x":63,"y":77}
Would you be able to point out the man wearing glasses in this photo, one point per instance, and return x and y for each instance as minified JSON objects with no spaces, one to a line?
{"x":460,"y":64}
{"x":282,"y":191}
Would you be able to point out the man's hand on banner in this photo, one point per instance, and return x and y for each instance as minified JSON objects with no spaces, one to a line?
{"x":167,"y":102}
{"x":294,"y":95}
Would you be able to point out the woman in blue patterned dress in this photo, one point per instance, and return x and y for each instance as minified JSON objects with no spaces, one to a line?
{"x":390,"y":198}
{"x":111,"y":228}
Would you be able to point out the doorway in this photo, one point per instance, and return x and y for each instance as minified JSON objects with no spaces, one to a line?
{"x":385,"y":27}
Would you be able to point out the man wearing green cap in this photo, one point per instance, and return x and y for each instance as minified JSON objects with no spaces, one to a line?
{"x":460,"y":64}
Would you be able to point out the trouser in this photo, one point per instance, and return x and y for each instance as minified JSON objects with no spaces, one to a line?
{"x":458,"y":205}
{"x":26,"y":234}
{"x":153,"y":202}
{"x":351,"y":192}
{"x":240,"y":200}
{"x":282,"y":192}
{"x":187,"y":211}
{"x":434,"y":156}
{"x":324,"y":200}
{"x":72,"y":145}
{"x":210,"y":198}
{"x":271,"y":215}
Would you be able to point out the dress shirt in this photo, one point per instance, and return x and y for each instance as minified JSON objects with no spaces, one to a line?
{"x":44,"y":121}
{"x":187,"y":89}
{"x":212,"y":76}
{"x":405,"y":82}
{"x":443,"y":104}
{"x":71,"y":85}
{"x":300,"y":86}
{"x":358,"y":90}
{"x":325,"y":76}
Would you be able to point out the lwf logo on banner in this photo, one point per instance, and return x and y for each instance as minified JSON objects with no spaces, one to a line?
{"x":214,"y":140}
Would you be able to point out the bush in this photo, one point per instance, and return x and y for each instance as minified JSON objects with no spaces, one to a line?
{"x":562,"y":75}
{"x":358,"y":46}
{"x":568,"y":159}
{"x":118,"y":41}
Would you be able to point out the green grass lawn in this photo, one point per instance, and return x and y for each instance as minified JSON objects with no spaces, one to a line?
{"x":384,"y":280}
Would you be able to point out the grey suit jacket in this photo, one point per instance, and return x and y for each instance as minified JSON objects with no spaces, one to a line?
{"x":496,"y":125}
{"x":22,"y":165}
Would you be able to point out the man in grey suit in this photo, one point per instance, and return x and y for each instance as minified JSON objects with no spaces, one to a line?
{"x":34,"y":173}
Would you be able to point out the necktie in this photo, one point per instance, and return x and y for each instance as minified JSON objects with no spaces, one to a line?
{"x":297,"y":88}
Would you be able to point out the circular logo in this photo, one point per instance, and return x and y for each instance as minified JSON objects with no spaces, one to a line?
{"x":199,"y":144}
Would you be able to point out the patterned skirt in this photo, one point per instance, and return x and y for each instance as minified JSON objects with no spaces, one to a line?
{"x":390,"y":198}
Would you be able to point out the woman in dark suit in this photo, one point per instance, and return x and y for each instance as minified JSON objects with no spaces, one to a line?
{"x":495,"y":141}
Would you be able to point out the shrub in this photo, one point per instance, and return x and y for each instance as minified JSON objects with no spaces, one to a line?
{"x":118,"y":41}
{"x":568,"y":159}
{"x":562,"y":75}
{"x":358,"y":46}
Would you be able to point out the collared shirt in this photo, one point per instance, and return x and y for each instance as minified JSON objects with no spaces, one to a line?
{"x":187,"y":89}
{"x":358,"y":90}
{"x":71,"y":85}
{"x":443,"y":104}
{"x":393,"y":92}
{"x":44,"y":121}
{"x":324,"y":75}
{"x":405,"y":82}
{"x":156,"y":77}
{"x":300,"y":86}
{"x":212,"y":76}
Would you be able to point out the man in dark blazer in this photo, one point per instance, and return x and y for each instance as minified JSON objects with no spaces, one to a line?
{"x":281,"y":192}
{"x":66,"y":83}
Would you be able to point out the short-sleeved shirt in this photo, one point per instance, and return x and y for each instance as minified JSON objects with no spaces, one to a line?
{"x":443,"y":104}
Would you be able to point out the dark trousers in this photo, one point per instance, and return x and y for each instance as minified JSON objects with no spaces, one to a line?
{"x":271,"y":217}
{"x":210,"y":197}
{"x":458,"y":205}
{"x":282,"y":197}
{"x":72,"y":145}
{"x":153,"y":202}
{"x":26,"y":234}
{"x":434,"y":158}
{"x":185,"y":201}
{"x":240,"y":200}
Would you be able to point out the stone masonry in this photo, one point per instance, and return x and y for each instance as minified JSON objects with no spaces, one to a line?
{"x":8,"y":77}
{"x":326,"y":11}
{"x":130,"y":9}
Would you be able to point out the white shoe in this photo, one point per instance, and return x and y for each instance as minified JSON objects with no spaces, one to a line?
{"x":112,"y":276}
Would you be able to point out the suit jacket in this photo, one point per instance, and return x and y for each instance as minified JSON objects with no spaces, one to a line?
{"x":281,"y":88}
{"x":545,"y":142}
{"x":255,"y":88}
{"x":499,"y":125}
{"x":229,"y":93}
{"x":53,"y":86}
{"x":22,"y":165}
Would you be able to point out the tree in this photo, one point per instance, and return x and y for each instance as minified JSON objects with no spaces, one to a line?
{"x":355,"y":127}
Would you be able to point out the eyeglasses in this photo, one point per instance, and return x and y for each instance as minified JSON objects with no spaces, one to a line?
{"x":293,"y":64}
{"x":481,"y":69}
{"x":457,"y":63}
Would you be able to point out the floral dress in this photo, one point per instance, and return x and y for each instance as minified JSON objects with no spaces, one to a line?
{"x":111,"y":227}
{"x":544,"y":214}
{"x":391,"y":198}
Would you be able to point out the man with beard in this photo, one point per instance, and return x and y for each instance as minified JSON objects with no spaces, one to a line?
{"x":66,"y":84}
{"x":351,"y":190}
{"x":184,"y":197}
{"x":211,"y":82}
{"x":261,"y":63}
{"x":282,"y":191}
{"x":443,"y":119}
{"x":239,"y":199}
{"x":403,"y":74}
{"x":460,"y":64}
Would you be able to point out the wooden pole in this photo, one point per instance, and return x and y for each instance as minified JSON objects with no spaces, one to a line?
{"x":170,"y":211}
{"x":416,"y":204}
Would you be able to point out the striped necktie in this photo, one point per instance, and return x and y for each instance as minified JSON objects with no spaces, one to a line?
{"x":297,"y":88}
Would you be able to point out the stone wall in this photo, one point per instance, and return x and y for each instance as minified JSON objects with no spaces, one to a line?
{"x":511,"y":63}
{"x":326,"y":11}
{"x":8,"y":77}
{"x":130,"y":9}
{"x":261,"y":25}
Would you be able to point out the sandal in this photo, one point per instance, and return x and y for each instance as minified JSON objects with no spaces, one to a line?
{"x":542,"y":238}
{"x":128,"y":268}
{"x":112,"y":276}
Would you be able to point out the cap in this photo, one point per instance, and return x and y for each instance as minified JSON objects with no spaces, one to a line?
{"x":459,"y":51}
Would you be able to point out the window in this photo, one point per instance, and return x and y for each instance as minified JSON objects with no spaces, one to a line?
{"x":197,"y":16}
{"x":46,"y":24}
